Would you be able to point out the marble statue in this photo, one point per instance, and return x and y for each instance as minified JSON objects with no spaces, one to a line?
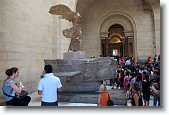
{"x":74,"y":32}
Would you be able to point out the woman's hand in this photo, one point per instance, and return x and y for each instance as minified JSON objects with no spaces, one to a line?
{"x":16,"y":89}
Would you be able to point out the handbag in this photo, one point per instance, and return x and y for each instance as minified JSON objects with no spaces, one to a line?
{"x":110,"y":102}
{"x":21,"y":95}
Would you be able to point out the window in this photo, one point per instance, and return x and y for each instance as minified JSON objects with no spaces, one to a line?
{"x":115,"y":52}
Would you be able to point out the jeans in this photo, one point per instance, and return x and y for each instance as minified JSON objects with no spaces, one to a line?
{"x":49,"y":104}
{"x":155,"y":99}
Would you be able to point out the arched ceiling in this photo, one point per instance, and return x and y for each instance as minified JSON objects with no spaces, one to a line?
{"x":82,"y":5}
{"x":116,"y":18}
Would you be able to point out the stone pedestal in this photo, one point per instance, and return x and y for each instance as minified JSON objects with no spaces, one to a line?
{"x":82,"y":75}
{"x":74,"y":55}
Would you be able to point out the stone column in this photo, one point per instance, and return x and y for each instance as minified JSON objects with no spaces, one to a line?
{"x":130,"y":46}
{"x":104,"y":47}
{"x":128,"y":35}
{"x":107,"y":47}
{"x":121,"y":50}
{"x":126,"y":46}
{"x":104,"y":35}
{"x":123,"y":47}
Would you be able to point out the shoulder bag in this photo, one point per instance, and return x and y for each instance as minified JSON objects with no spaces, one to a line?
{"x":110,"y":102}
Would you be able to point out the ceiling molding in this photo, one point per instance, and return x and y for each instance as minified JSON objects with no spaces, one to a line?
{"x":146,"y":5}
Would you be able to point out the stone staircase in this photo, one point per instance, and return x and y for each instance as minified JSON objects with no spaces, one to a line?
{"x":83,"y":75}
{"x":81,"y":79}
{"x":117,"y":96}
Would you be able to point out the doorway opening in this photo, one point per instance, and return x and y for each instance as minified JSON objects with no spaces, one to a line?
{"x":117,"y":44}
{"x":113,"y":45}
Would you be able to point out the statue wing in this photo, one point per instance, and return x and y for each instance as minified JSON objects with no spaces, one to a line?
{"x":63,"y":11}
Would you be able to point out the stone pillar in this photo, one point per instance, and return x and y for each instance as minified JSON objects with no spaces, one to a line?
{"x":121,"y":49}
{"x":104,"y":46}
{"x":126,"y":46}
{"x":104,"y":35}
{"x":128,"y":35}
{"x":130,"y":46}
{"x":107,"y":47}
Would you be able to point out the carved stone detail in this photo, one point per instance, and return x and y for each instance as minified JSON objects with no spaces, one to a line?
{"x":146,"y":6}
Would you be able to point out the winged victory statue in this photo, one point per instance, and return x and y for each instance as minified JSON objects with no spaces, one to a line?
{"x":74,"y":32}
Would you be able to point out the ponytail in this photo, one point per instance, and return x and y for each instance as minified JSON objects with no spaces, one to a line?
{"x":9,"y":72}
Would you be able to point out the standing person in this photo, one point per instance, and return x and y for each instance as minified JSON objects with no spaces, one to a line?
{"x":118,"y":79}
{"x":103,"y":96}
{"x":136,"y":97}
{"x":156,"y":89}
{"x":128,"y":63}
{"x":146,"y":90}
{"x":132,"y":61}
{"x":121,"y":62}
{"x":148,"y":62}
{"x":121,"y":78}
{"x":10,"y":89}
{"x":155,"y":59}
{"x":48,"y":87}
{"x":126,"y":82}
{"x":136,"y":80}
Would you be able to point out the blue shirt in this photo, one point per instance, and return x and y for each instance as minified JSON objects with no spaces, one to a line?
{"x":8,"y":90}
{"x":49,"y":85}
{"x":128,"y":62}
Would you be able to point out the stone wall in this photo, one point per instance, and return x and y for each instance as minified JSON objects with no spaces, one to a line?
{"x":25,"y":39}
{"x":94,"y":11}
{"x":157,"y":25}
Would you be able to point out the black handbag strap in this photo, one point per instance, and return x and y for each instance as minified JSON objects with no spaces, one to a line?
{"x":109,"y":96}
{"x":8,"y":95}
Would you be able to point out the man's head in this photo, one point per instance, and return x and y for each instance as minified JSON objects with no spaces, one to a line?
{"x":48,"y":68}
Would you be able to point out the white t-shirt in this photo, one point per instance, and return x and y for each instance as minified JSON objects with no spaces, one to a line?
{"x":49,"y":85}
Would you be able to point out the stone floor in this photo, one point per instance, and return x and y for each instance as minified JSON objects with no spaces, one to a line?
{"x":36,"y":101}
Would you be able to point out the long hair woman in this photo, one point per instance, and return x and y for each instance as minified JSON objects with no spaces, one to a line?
{"x":10,"y":89}
{"x":146,"y":90}
{"x":103,"y":96}
{"x":136,"y":97}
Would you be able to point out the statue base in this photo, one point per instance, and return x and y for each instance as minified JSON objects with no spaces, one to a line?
{"x":74,"y":55}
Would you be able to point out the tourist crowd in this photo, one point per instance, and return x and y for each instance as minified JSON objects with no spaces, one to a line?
{"x":139,"y":80}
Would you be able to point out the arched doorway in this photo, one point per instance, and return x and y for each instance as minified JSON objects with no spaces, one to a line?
{"x":117,"y":44}
{"x":113,"y":45}
{"x":117,"y":34}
